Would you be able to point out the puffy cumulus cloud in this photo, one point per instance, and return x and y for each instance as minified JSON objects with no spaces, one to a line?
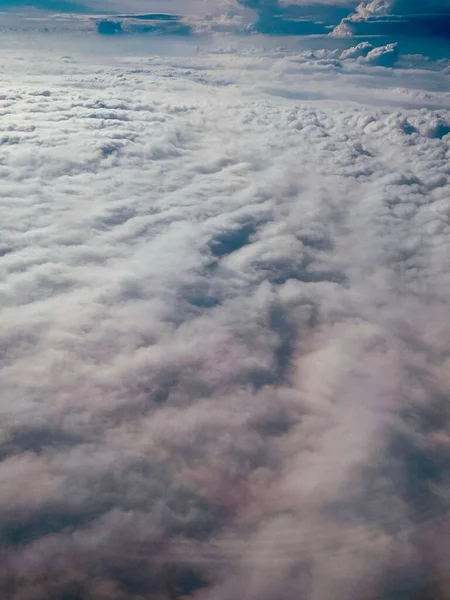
{"x":225,"y":327}
{"x":398,"y":17}
{"x":385,"y":7}
{"x":405,"y":6}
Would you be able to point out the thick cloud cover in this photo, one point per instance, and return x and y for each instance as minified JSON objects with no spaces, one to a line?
{"x":225,"y":326}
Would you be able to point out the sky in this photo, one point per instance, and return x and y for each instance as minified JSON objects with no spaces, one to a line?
{"x":347,"y":17}
{"x":225,"y":332}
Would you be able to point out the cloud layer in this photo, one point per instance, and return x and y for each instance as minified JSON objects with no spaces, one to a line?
{"x":395,"y":18}
{"x":225,"y":326}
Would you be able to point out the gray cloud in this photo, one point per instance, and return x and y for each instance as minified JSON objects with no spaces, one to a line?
{"x":224,"y":355}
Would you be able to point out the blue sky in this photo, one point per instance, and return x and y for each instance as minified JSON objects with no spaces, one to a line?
{"x":338,"y":7}
{"x":113,"y":6}
{"x":56,"y":5}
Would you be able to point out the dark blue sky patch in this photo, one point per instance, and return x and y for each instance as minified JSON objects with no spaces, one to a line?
{"x":399,"y":25}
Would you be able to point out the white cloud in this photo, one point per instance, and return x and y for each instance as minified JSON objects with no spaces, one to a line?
{"x":225,"y":324}
{"x":340,"y":18}
{"x":397,"y":17}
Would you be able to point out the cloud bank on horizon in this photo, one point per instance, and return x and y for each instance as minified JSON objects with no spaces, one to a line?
{"x":282,"y":17}
{"x":225,"y":328}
